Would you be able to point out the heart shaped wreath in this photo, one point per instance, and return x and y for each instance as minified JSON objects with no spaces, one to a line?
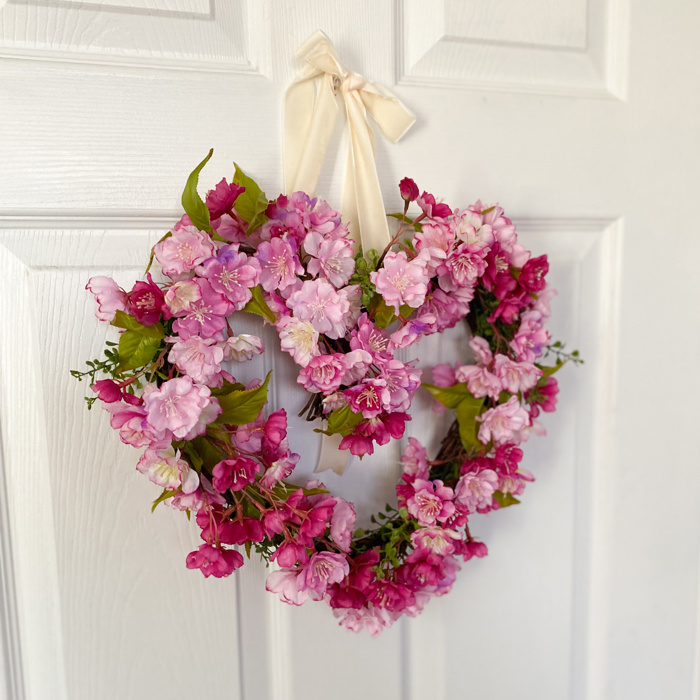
{"x":342,"y":316}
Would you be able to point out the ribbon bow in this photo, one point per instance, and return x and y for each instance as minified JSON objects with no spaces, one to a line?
{"x":311,"y":108}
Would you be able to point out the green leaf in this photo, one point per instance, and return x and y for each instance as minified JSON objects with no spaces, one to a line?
{"x":406,"y":219}
{"x":343,"y":421}
{"x":505,"y":499}
{"x":258,"y":305}
{"x":226,"y":388}
{"x":252,"y":203}
{"x":467,"y":411}
{"x":449,"y":396}
{"x":248,"y":547}
{"x":129,"y":323}
{"x":549,"y":371}
{"x":383,"y":315}
{"x":208,"y":453}
{"x":195,"y":458}
{"x":163,"y":496}
{"x":138,"y":347}
{"x":242,"y":407}
{"x":192,"y":203}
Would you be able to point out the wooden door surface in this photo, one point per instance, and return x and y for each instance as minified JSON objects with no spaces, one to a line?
{"x":580,"y":117}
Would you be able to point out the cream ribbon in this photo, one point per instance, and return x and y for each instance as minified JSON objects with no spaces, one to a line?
{"x":311,"y":109}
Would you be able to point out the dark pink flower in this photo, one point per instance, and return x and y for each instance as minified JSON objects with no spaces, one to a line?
{"x":107,"y":390}
{"x":222,"y":198}
{"x":532,"y":276}
{"x":234,"y":474}
{"x":433,"y":209}
{"x":289,"y":553}
{"x":389,"y":595}
{"x":214,"y":562}
{"x":408,"y":189}
{"x":145,"y":302}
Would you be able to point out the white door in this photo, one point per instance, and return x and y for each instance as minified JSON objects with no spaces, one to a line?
{"x":581,"y":118}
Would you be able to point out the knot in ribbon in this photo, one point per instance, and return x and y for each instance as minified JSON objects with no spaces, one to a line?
{"x":311,"y":108}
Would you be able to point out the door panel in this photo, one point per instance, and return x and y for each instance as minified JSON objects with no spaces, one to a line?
{"x":588,"y":139}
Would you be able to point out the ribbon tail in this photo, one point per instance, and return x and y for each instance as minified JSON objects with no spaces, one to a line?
{"x":363,"y":196}
{"x":330,"y":456}
{"x":310,"y":113}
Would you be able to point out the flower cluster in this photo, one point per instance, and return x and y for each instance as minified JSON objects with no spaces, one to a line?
{"x":207,"y":443}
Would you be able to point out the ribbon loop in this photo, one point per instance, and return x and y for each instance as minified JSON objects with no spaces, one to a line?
{"x":311,"y":109}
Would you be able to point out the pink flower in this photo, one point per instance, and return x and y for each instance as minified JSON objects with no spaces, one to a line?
{"x":365,"y":397}
{"x":433,"y":209}
{"x":408,"y":189}
{"x":464,"y":266}
{"x":532,"y":275}
{"x":501,"y":423}
{"x":320,"y":304}
{"x":222,"y":198}
{"x":415,"y":459}
{"x":206,"y":317}
{"x":279,"y":264}
{"x":324,"y":373}
{"x":234,"y":474}
{"x":435,"y":540}
{"x":243,"y":347}
{"x":167,"y":470}
{"x":198,"y":358}
{"x":400,"y":281}
{"x":332,"y":258}
{"x":107,"y":390}
{"x":391,"y":596}
{"x":285,"y":583}
{"x":214,"y":562}
{"x":298,"y":338}
{"x":516,"y":377}
{"x":232,"y":274}
{"x":181,"y":252}
{"x":279,"y":469}
{"x":479,"y":380}
{"x":544,"y":397}
{"x":531,"y":337}
{"x":481,"y":349}
{"x":145,"y":302}
{"x":357,"y":362}
{"x":110,"y":297}
{"x":468,"y":227}
{"x":436,"y":239}
{"x":475,"y":490}
{"x":343,"y":523}
{"x":444,"y":375}
{"x":323,"y":569}
{"x":401,"y":381}
{"x":176,"y":405}
{"x":369,"y":338}
{"x":430,"y":502}
{"x":181,"y":295}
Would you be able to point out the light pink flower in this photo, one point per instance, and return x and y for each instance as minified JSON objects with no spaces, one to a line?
{"x":323,"y":569}
{"x":479,"y":380}
{"x":243,"y":347}
{"x":482,"y":350}
{"x":435,"y":540}
{"x":285,"y":583}
{"x":198,"y":358}
{"x":320,"y":304}
{"x":324,"y":373}
{"x":343,"y":523}
{"x":401,"y":281}
{"x":279,"y":264}
{"x":431,"y":502}
{"x":181,"y":252}
{"x":437,"y":240}
{"x":181,"y":295}
{"x":110,"y":297}
{"x":516,"y":377}
{"x":332,"y":258}
{"x":463,"y":267}
{"x":475,"y":490}
{"x":502,"y":423}
{"x":176,"y":405}
{"x":206,"y":317}
{"x":167,"y":470}
{"x":468,"y":227}
{"x":298,"y":338}
{"x":357,"y":362}
{"x":530,"y":338}
{"x":415,"y":459}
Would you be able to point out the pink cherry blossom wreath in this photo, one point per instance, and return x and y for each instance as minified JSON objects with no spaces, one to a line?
{"x":342,"y":316}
